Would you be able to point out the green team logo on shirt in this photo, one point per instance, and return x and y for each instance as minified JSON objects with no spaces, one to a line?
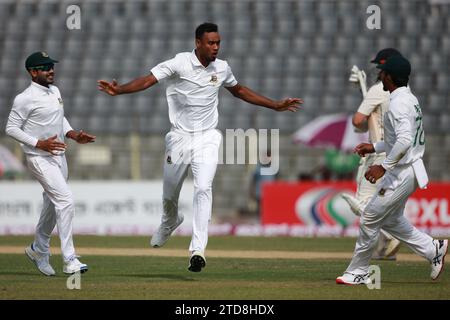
{"x":420,"y":135}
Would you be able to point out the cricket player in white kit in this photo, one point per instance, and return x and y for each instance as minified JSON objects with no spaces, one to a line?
{"x":193,"y":80}
{"x":402,"y":171}
{"x":369,"y":117}
{"x":37,"y":121}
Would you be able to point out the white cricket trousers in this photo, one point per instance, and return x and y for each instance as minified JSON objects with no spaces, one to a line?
{"x":200,"y":151}
{"x":386,"y":211}
{"x":58,"y":207}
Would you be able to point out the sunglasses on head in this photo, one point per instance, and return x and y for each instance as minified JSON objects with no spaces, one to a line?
{"x":46,"y":67}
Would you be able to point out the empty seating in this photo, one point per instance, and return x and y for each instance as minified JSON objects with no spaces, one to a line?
{"x":280,"y":49}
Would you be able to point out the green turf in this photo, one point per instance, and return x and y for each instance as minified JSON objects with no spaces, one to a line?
{"x":215,"y":242}
{"x":238,"y":279}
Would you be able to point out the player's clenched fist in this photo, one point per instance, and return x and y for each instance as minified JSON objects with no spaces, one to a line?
{"x":374,"y":173}
{"x":364,"y":148}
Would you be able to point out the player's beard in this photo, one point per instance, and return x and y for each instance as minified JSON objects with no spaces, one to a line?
{"x":383,"y":81}
{"x":45,"y":80}
{"x":50,"y":79}
{"x":212,"y":57}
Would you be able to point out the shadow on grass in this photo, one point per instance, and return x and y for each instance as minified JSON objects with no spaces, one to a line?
{"x":158,"y":276}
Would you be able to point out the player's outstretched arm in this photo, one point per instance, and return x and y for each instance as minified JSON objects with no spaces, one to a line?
{"x":244,"y":93}
{"x":139,"y":84}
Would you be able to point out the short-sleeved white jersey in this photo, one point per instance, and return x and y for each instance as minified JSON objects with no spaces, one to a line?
{"x":192,"y":90}
{"x":37,"y":114}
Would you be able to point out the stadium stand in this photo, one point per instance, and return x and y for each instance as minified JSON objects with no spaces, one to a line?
{"x":280,"y":48}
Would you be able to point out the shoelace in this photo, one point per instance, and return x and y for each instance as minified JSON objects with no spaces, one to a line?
{"x":359,"y":277}
{"x":72,"y":258}
{"x":437,"y":258}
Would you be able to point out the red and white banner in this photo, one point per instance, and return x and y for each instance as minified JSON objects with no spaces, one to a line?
{"x":101,"y":207}
{"x":288,"y":209}
{"x":316,"y":208}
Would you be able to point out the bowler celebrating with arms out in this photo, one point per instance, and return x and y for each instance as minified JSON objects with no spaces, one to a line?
{"x":193,"y":82}
{"x":402,"y":171}
{"x":37,"y":121}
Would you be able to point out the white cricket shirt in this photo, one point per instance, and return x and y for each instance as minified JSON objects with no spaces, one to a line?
{"x":375,"y":104}
{"x":404,"y":137}
{"x":192,"y":90}
{"x":37,"y":114}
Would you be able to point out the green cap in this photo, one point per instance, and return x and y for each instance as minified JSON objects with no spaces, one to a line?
{"x":39,"y":58}
{"x":397,"y":66}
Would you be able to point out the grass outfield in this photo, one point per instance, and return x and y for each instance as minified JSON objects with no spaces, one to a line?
{"x":166,"y":277}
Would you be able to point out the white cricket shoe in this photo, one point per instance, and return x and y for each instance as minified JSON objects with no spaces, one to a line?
{"x":163,"y":233}
{"x":40,"y":260}
{"x":354,"y":203}
{"x":74,"y":265}
{"x":437,"y":264}
{"x":197,"y":262}
{"x":353,"y":279}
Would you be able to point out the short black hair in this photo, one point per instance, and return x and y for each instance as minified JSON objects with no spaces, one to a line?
{"x":400,"y":81}
{"x":205,"y":27}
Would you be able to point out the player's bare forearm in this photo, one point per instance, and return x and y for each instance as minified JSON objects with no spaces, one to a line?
{"x":138,"y":84}
{"x":359,"y":121}
{"x":250,"y":96}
